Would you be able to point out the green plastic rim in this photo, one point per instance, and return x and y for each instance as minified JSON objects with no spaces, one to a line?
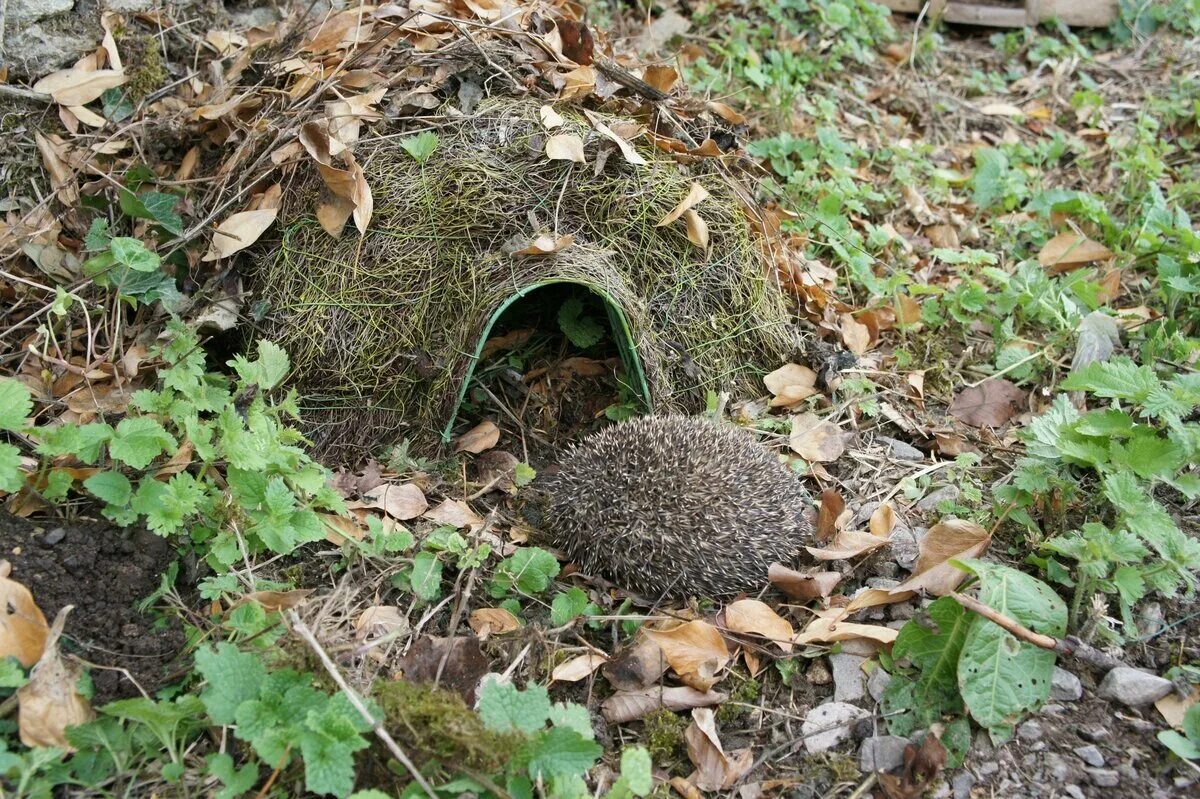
{"x":617,"y":322}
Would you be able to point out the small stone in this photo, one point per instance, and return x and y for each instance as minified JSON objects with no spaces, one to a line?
{"x":882,"y":753}
{"x":1058,"y":768}
{"x":885,"y":568}
{"x":1074,"y":791}
{"x":988,"y":768}
{"x":906,"y":546}
{"x":1053,"y":709}
{"x":53,"y":537}
{"x":818,"y":674}
{"x":962,"y":785}
{"x":901,"y":450}
{"x":882,"y":583}
{"x":931,"y":500}
{"x":903,"y":611}
{"x":26,"y":11}
{"x":1150,"y":619}
{"x":1090,"y":754}
{"x":1094,"y":733}
{"x":1065,"y":686}
{"x":1029,"y":731}
{"x":1133,"y":687}
{"x":1104,"y":777}
{"x":877,"y":682}
{"x":849,"y":682}
{"x":829,"y":724}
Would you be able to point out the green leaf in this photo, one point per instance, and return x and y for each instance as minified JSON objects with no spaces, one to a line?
{"x":138,"y":441}
{"x":426,"y":579}
{"x":1185,"y":748}
{"x":987,"y":182}
{"x":504,"y":708}
{"x":567,"y":605}
{"x":530,"y":570}
{"x":559,"y":753}
{"x":1191,"y":723}
{"x":574,"y":716}
{"x":328,"y":748}
{"x":111,"y":487}
{"x":1111,"y":423}
{"x":583,"y":331}
{"x":16,"y":403}
{"x":421,"y":146}
{"x":636,"y":770}
{"x":161,"y":208}
{"x":268,"y":370}
{"x":133,"y":253}
{"x":97,"y":237}
{"x":233,"y":678}
{"x":523,"y":474}
{"x":1119,"y":378}
{"x":12,"y":675}
{"x":235,"y":781}
{"x":1000,"y":677}
{"x":12,"y":478}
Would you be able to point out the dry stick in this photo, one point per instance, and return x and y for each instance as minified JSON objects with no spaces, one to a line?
{"x":376,"y":726}
{"x":1070,"y":646}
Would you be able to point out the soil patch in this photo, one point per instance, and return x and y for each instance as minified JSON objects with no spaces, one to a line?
{"x":104,"y":572}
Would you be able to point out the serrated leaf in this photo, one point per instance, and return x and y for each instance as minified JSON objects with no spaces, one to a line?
{"x":567,"y":605}
{"x":16,"y":403}
{"x":136,"y":442}
{"x":636,"y":769}
{"x":529,"y":570}
{"x":426,"y":576}
{"x":97,"y":237}
{"x":504,"y":708}
{"x":233,"y":678}
{"x":235,"y":781}
{"x":1119,"y":378}
{"x":111,"y":487}
{"x":560,"y":753}
{"x":12,"y":478}
{"x":583,"y":331}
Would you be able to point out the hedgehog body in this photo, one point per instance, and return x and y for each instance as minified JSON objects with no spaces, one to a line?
{"x":674,"y":506}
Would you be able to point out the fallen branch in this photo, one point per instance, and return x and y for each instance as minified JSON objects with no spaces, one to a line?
{"x":376,"y":726}
{"x":1070,"y":646}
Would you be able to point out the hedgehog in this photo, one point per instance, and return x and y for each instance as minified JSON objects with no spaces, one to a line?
{"x":675,"y":506}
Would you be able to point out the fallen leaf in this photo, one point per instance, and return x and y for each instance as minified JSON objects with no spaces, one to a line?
{"x":630,"y":155}
{"x":696,"y":194}
{"x":831,"y":508}
{"x":1099,"y":337}
{"x":378,"y":621}
{"x":577,"y":668}
{"x":872,"y":597}
{"x":23,"y":628}
{"x":72,"y":87}
{"x":695,"y":650}
{"x":715,"y":770}
{"x":1000,"y":110}
{"x":921,"y":766}
{"x":636,"y":667}
{"x":814,"y":439}
{"x":364,"y":201}
{"x":848,"y":544}
{"x":492,"y":621}
{"x":754,"y":616}
{"x":855,"y":335}
{"x":832,"y":628}
{"x":551,"y":119}
{"x":883,"y":520}
{"x":908,"y":310}
{"x":401,"y":502}
{"x":565,"y":147}
{"x":697,"y":228}
{"x":1068,"y":251}
{"x":790,"y":383}
{"x":546,"y":245}
{"x":1173,"y":707}
{"x":662,"y":77}
{"x":274,"y":601}
{"x":989,"y":404}
{"x":814,"y":585}
{"x":479,"y":438}
{"x":239,"y":231}
{"x":341,"y":529}
{"x":50,"y":702}
{"x":455,"y":663}
{"x":627,"y":706}
{"x":949,"y":539}
{"x":726,"y":113}
{"x":454,"y":513}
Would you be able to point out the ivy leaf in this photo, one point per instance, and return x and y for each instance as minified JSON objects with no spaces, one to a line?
{"x":1000,"y":677}
{"x":16,"y":403}
{"x":138,"y":441}
{"x":233,"y":678}
{"x":111,"y":487}
{"x":504,"y":708}
{"x":132,"y":253}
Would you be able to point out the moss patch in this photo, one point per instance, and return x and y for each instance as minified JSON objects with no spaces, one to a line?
{"x":663,"y":737}
{"x":384,"y":329}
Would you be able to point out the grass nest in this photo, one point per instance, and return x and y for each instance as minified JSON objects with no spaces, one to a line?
{"x":384,"y":330}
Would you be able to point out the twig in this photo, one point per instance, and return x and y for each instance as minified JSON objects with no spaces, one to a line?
{"x":23,"y":94}
{"x":266,"y":789}
{"x":1070,"y":646}
{"x":302,"y":630}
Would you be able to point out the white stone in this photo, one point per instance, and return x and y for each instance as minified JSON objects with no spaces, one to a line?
{"x":849,"y":681}
{"x":877,"y":682}
{"x":1065,"y":686}
{"x":829,"y":724}
{"x":23,"y":12}
{"x":882,"y":753}
{"x":1133,"y":687}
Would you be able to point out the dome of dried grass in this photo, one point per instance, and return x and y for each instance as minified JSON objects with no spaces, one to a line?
{"x":384,"y":330}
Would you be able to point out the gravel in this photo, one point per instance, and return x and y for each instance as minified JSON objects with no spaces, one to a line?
{"x":1133,"y":687}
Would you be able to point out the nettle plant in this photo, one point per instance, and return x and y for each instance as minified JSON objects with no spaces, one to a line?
{"x":1141,"y":450}
{"x":203,"y":454}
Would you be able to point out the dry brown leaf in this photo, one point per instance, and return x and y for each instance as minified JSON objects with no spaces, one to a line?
{"x":364,"y":201}
{"x":492,"y":621}
{"x":1068,"y":251}
{"x":715,"y":770}
{"x":790,"y":383}
{"x":695,"y":650}
{"x":831,"y":508}
{"x":551,"y":119}
{"x":627,"y":151}
{"x":62,"y":177}
{"x":696,"y":194}
{"x":855,"y":335}
{"x":989,"y":404}
{"x":726,"y":113}
{"x":848,"y":544}
{"x":546,"y":245}
{"x":23,"y":628}
{"x":334,"y":215}
{"x":74,"y":86}
{"x":341,"y":529}
{"x":697,"y":228}
{"x":273,"y":601}
{"x":577,"y":668}
{"x":814,"y":439}
{"x":479,"y":438}
{"x":627,"y":706}
{"x":1173,"y":707}
{"x":661,"y":76}
{"x":1000,"y":110}
{"x":454,"y":513}
{"x":402,"y":502}
{"x":239,"y":231}
{"x":828,"y":628}
{"x":871,"y":597}
{"x":949,"y":539}
{"x":50,"y":701}
{"x":883,"y":520}
{"x":801,"y":585}
{"x":565,"y":147}
{"x":379,"y":620}
{"x":754,"y":616}
{"x":908,"y":310}
{"x":636,"y":667}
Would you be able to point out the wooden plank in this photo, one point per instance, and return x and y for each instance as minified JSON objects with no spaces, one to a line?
{"x":1076,"y":13}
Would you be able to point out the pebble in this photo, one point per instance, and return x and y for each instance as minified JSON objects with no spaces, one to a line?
{"x":988,"y":768}
{"x":1074,"y":791}
{"x":849,"y":682}
{"x":962,"y":785}
{"x":1091,"y":755}
{"x":1133,"y":687}
{"x":882,"y":753}
{"x":818,"y":674}
{"x":53,"y":537}
{"x":906,"y":546}
{"x":1058,"y":768}
{"x":902,"y":450}
{"x":829,"y":724}
{"x":1053,"y":709}
{"x":1029,"y":731}
{"x":877,"y":682}
{"x":1065,"y":686}
{"x":930,"y":501}
{"x":1151,"y":620}
{"x":1104,"y":777}
{"x":1095,"y":733}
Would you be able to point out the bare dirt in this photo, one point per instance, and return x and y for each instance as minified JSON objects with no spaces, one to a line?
{"x":104,"y":572}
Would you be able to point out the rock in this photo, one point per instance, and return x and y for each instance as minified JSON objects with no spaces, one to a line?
{"x":1104,"y":777}
{"x":931,"y":500}
{"x":1074,"y":791}
{"x":53,"y":537}
{"x":829,"y":724}
{"x":902,"y":450}
{"x":1133,"y":687}
{"x":988,"y":768}
{"x":1150,"y":619}
{"x":884,"y":583}
{"x":877,"y":682}
{"x":882,"y":753}
{"x":35,"y":50}
{"x":1029,"y":731}
{"x":1058,"y":768}
{"x":24,"y":12}
{"x":130,"y":6}
{"x":962,"y":785}
{"x":1065,"y":686}
{"x":849,"y":682}
{"x":1053,"y":709}
{"x":1095,"y":733}
{"x":906,"y":545}
{"x":1090,"y":754}
{"x":818,"y":674}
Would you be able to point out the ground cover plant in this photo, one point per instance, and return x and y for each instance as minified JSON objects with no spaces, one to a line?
{"x":982,"y":240}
